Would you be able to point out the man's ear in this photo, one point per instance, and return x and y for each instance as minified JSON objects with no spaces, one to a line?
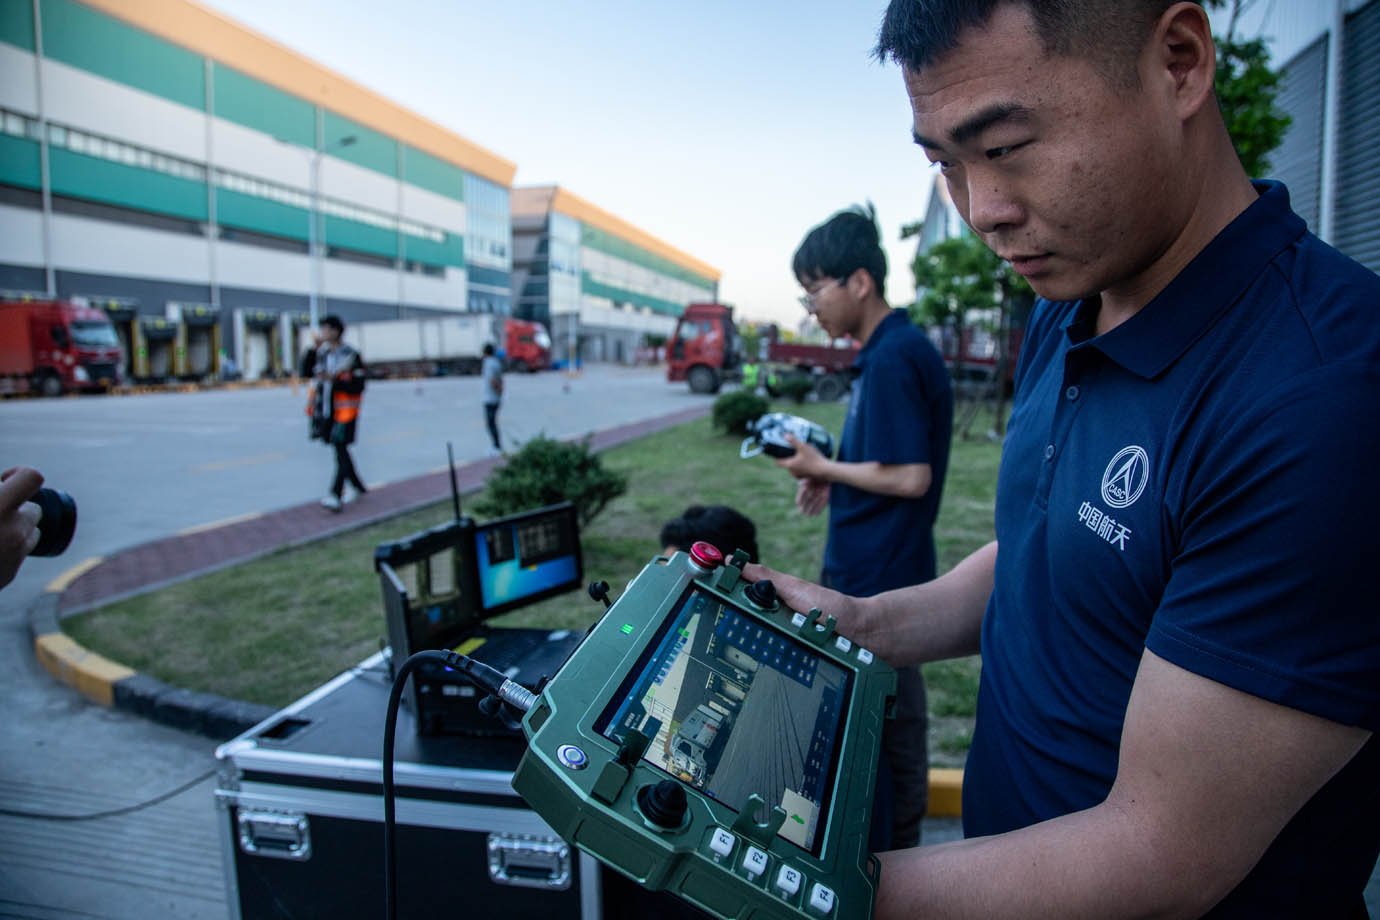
{"x":1184,"y":55}
{"x":860,"y":284}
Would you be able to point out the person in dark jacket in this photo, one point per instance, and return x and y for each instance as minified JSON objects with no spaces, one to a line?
{"x":336,"y":394}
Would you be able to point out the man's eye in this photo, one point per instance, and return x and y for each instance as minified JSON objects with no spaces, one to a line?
{"x":996,"y":153}
{"x":942,"y":165}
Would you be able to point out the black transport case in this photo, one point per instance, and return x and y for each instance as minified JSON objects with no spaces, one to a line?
{"x":301,"y":815}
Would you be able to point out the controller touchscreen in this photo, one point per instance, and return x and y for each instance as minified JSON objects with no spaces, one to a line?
{"x":734,"y":707}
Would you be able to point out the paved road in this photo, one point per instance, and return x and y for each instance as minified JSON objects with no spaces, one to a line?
{"x":146,"y":467}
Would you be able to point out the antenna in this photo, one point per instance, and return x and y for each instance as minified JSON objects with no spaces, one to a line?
{"x":454,"y":487}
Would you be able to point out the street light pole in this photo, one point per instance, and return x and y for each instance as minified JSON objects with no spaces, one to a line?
{"x":315,"y":231}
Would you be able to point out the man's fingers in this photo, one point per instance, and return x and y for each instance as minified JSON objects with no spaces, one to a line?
{"x":20,"y":484}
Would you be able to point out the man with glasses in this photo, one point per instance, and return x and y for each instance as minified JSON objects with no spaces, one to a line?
{"x":883,"y":490}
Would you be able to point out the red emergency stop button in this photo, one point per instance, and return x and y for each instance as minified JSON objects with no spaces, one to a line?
{"x":706,"y":555}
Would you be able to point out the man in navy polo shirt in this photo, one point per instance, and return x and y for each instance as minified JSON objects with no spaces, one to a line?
{"x":1178,"y":619}
{"x":883,"y":489}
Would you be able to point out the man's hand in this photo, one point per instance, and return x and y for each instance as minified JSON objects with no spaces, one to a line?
{"x":806,"y":463}
{"x":802,"y":595}
{"x":811,"y":496}
{"x":18,"y":519}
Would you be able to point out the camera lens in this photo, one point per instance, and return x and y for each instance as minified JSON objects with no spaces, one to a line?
{"x":58,"y":524}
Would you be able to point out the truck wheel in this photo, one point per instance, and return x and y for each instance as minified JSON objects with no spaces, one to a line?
{"x":829,"y":388}
{"x":703,"y":379}
{"x":50,"y":385}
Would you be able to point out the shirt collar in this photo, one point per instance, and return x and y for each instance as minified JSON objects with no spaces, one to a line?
{"x":894,"y":317}
{"x":1162,"y":330}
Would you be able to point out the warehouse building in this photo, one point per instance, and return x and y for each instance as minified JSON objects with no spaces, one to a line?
{"x":604,"y":288}
{"x":181,"y":171}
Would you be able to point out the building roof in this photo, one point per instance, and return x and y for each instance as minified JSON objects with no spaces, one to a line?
{"x":220,"y":38}
{"x":539,"y":199}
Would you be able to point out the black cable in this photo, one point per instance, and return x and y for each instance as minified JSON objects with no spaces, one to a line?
{"x":483,"y":677}
{"x":114,"y":812}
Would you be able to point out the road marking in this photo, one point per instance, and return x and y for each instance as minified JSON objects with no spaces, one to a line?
{"x":223,"y":522}
{"x":60,"y":584}
{"x":218,"y":465}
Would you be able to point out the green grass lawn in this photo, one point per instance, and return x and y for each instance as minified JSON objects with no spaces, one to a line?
{"x":272,"y":629}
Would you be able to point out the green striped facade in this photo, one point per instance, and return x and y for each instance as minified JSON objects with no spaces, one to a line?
{"x":89,"y":40}
{"x":620,"y":248}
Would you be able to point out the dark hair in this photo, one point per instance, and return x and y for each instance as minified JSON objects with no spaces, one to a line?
{"x":717,"y":524}
{"x":488,"y":349}
{"x":334,"y":322}
{"x":1110,"y":33}
{"x":840,"y":246}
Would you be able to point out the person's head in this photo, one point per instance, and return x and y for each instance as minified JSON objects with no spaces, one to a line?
{"x":488,"y":349}
{"x":332,"y":328}
{"x":1077,"y":137}
{"x":719,"y":525}
{"x":842,"y":267}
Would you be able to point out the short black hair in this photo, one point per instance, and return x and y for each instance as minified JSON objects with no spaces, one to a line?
{"x":720,"y":525}
{"x":1110,"y":33}
{"x":840,"y":246}
{"x":488,"y":348}
{"x":334,"y":322}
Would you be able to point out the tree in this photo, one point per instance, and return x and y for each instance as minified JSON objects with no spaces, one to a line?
{"x":1246,"y":93}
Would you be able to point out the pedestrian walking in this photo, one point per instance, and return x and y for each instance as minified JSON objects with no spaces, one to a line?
{"x":492,"y":371}
{"x":337,"y":390}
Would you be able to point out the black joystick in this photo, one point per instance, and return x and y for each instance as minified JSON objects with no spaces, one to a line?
{"x":663,"y":804}
{"x":599,"y":590}
{"x":762,"y":593}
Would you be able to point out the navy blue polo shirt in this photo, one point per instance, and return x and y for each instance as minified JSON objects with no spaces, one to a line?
{"x":1197,"y":481}
{"x":900,"y":411}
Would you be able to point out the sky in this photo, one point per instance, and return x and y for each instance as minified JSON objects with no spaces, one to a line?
{"x":725,"y":128}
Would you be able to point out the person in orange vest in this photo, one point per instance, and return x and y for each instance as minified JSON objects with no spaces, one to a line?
{"x":334,"y":403}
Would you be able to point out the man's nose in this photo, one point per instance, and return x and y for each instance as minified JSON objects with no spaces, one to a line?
{"x":992,"y":205}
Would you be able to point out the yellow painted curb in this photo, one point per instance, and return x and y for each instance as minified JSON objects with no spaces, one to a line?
{"x":87,"y":672}
{"x":64,"y":581}
{"x":946,"y":793}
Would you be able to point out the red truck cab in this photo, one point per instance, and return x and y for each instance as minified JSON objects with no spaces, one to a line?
{"x":53,"y":346}
{"x":526,"y":345}
{"x":705,"y":348}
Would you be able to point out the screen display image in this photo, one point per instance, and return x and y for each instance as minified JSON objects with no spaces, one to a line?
{"x":521,"y":558}
{"x":735,"y":707}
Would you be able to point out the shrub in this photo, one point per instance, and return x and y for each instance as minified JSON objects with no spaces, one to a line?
{"x":546,"y":471}
{"x":793,"y":385}
{"x":733,"y":411}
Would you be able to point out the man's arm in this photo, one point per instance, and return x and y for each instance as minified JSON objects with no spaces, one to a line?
{"x":18,"y":519}
{"x":1207,"y":778}
{"x":904,"y":480}
{"x":936,"y":620}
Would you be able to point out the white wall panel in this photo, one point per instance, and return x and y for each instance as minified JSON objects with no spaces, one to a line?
{"x":89,"y":103}
{"x":21,"y":236}
{"x":431,"y":208}
{"x":354,"y":184}
{"x":359,"y":282}
{"x":253,"y":153}
{"x":18,"y":83}
{"x":630,"y":320}
{"x":238,"y":265}
{"x":425,"y":291}
{"x":80,"y":244}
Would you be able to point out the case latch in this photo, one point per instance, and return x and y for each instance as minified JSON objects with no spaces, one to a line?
{"x":279,"y":834}
{"x":529,"y":862}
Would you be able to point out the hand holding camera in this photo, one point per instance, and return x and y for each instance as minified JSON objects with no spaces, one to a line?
{"x":33,"y":521}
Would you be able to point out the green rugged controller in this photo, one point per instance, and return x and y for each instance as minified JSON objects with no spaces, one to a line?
{"x":709,"y":741}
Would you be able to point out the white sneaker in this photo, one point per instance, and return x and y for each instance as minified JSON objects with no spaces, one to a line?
{"x":351,"y":495}
{"x":495,"y":452}
{"x":330,"y":503}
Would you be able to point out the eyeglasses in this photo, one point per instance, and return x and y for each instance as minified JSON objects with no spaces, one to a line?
{"x":810,"y":300}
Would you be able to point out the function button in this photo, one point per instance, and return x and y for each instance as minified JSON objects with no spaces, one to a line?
{"x":721,"y":842}
{"x":798,"y":620}
{"x":864,"y":656}
{"x":754,"y":862}
{"x":788,"y":881}
{"x":842,"y":644}
{"x":821,"y":899}
{"x":572,"y":757}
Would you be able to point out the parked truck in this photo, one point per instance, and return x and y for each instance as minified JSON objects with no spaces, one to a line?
{"x":448,"y":344}
{"x":55,"y":346}
{"x":705,"y":350}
